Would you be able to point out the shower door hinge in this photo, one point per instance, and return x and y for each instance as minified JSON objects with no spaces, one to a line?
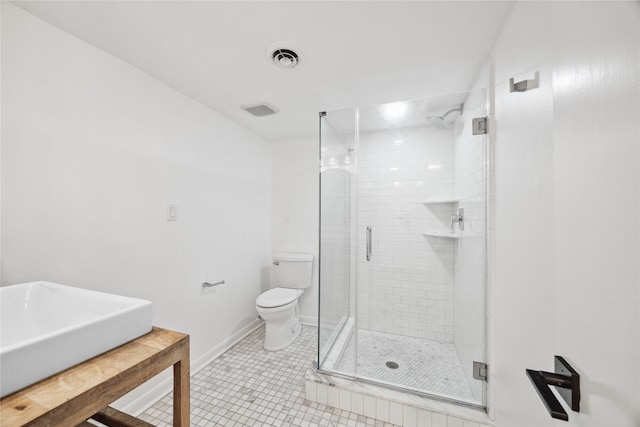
{"x":479,"y":126}
{"x":480,"y":371}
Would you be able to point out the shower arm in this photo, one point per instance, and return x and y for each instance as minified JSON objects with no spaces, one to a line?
{"x":459,"y":109}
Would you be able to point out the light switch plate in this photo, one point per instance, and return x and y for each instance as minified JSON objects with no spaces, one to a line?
{"x":172,"y":212}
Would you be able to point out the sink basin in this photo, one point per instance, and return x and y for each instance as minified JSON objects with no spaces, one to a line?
{"x":47,"y":328}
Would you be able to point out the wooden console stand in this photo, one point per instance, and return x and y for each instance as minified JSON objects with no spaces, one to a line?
{"x":85,"y":390}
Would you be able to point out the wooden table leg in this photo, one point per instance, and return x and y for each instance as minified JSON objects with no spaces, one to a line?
{"x":181,"y":391}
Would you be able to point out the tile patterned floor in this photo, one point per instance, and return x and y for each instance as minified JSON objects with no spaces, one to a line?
{"x":249,"y":386}
{"x":424,"y":365}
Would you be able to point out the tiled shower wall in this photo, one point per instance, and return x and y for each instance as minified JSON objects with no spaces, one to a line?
{"x":407,"y":288}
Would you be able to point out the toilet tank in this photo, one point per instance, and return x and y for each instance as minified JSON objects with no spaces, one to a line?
{"x":292,"y":270}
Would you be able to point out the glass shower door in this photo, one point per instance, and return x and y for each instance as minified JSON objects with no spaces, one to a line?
{"x":412,"y":312}
{"x":337,"y":165}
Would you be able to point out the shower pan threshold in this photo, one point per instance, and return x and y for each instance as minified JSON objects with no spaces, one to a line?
{"x":388,"y":404}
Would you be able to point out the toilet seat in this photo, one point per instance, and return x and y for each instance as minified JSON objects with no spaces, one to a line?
{"x":277,"y":297}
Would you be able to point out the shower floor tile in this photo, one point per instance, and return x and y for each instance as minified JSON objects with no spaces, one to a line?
{"x":423,"y":365}
{"x":249,"y":386}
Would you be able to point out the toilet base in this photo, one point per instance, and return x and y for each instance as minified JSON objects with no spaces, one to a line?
{"x":281,"y":326}
{"x":276,"y":343}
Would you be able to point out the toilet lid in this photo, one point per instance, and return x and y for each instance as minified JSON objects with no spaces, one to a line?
{"x":276,"y":297}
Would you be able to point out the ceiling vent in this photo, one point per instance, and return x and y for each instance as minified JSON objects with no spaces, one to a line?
{"x":283,"y":55}
{"x":285,"y":58}
{"x":260,"y":110}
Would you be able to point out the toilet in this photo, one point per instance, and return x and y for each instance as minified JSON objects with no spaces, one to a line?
{"x":278,"y":306}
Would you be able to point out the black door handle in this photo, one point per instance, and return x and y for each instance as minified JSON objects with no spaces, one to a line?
{"x":568,"y":381}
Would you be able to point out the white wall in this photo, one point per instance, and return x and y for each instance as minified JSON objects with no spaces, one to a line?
{"x":566,"y":167}
{"x":93,"y":150}
{"x":596,"y":117}
{"x":524,"y":310}
{"x":295,"y":210}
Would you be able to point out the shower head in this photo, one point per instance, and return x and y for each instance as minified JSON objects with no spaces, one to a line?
{"x":437,"y":122}
{"x":440,"y":121}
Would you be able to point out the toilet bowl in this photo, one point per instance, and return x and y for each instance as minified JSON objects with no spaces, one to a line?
{"x":278,"y":307}
{"x":281,"y":316}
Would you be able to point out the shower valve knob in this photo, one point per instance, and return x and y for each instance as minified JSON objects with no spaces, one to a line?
{"x":459,"y":218}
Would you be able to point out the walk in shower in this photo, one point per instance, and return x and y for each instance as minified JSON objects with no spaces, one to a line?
{"x":403,"y":245}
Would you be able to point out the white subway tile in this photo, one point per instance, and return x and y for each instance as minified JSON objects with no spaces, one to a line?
{"x":322,"y":393}
{"x":438,"y":420}
{"x":409,"y":416}
{"x":310,"y":391}
{"x":425,"y":418}
{"x":333,"y":397}
{"x":345,"y":400}
{"x":382,"y":409}
{"x":395,"y":413}
{"x":369,"y":406}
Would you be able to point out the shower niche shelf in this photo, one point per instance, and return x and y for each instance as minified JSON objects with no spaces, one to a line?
{"x":439,"y":201}
{"x":442,"y":233}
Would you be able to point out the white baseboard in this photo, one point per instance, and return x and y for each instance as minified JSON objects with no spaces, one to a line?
{"x":148,"y":399}
{"x":309,"y":320}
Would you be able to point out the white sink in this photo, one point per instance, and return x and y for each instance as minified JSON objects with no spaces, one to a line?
{"x":47,"y":328}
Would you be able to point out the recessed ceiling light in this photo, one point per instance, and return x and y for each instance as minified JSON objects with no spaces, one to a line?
{"x":394,"y":111}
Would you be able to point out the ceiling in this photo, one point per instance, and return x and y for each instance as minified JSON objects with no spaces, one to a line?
{"x":352,"y":53}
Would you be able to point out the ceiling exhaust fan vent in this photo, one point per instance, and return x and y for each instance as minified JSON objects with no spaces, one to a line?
{"x":260,"y":110}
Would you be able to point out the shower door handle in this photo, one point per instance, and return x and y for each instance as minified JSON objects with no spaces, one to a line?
{"x":368,"y":243}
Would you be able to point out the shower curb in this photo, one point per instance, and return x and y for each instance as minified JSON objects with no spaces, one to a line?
{"x":388,"y":405}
